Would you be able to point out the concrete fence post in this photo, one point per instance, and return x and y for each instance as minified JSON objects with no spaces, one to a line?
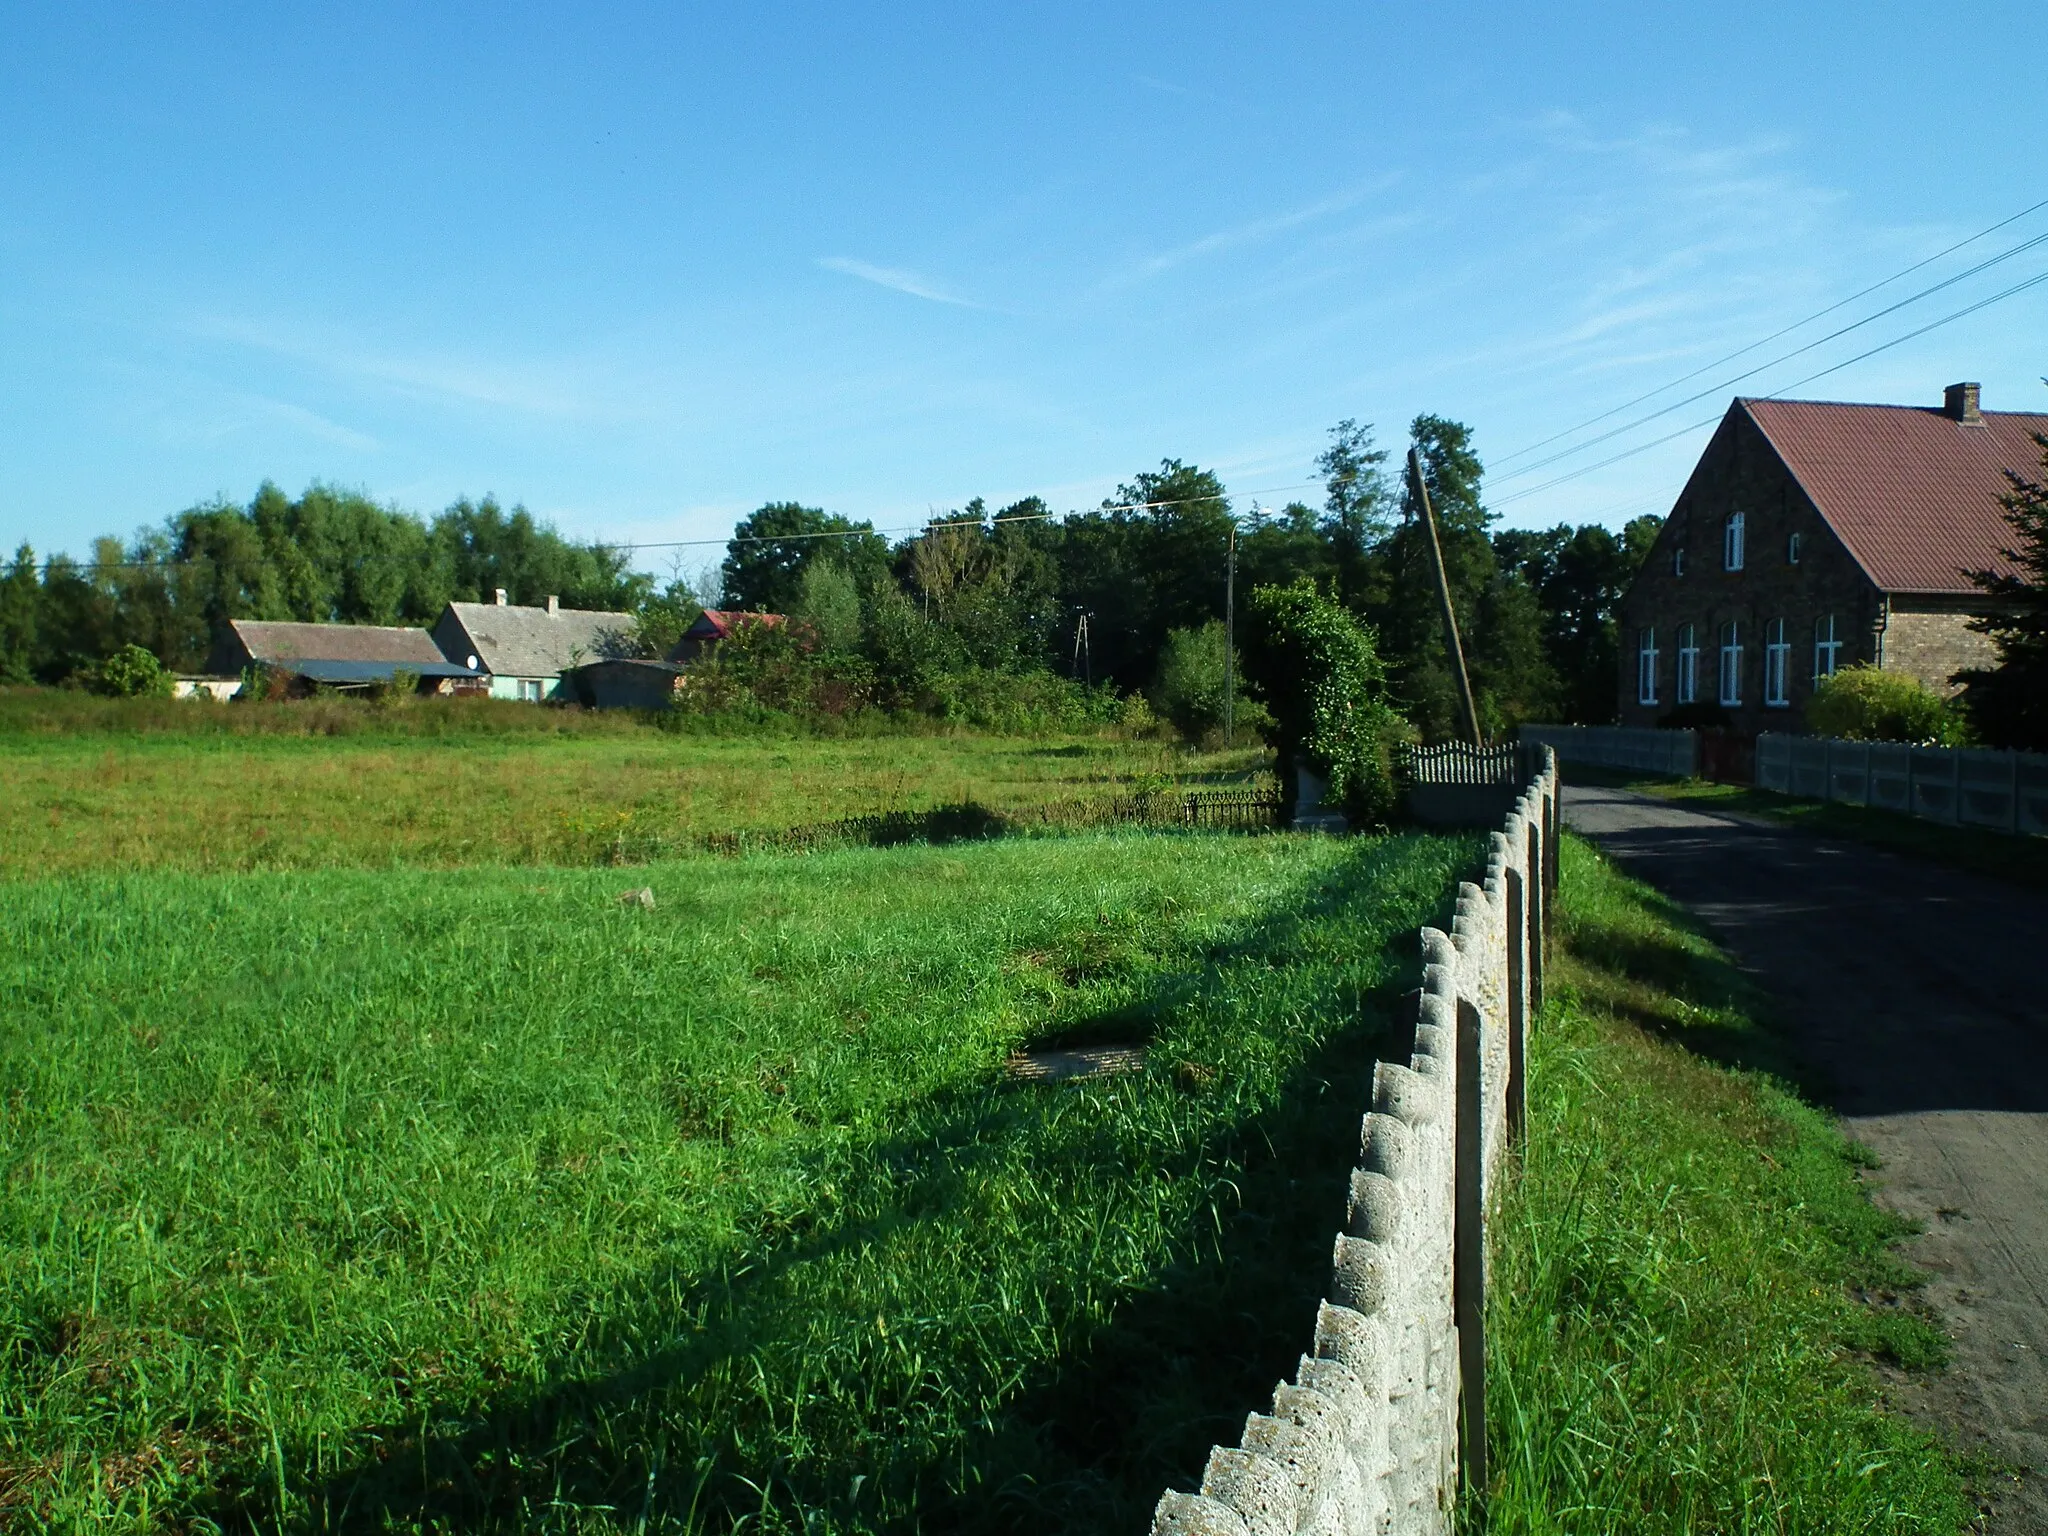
{"x":1518,"y":1005}
{"x":1468,"y":1248}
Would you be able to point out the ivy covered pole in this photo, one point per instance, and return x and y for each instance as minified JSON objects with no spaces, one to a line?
{"x":1443,"y":592}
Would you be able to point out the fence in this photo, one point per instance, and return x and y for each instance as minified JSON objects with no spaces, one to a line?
{"x":1619,"y":746}
{"x":1461,"y":786}
{"x":2004,"y":791}
{"x":1387,"y":1415}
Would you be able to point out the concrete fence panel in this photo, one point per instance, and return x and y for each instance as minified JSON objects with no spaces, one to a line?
{"x":1957,"y":787}
{"x":1385,"y":1417}
{"x":1676,"y":753}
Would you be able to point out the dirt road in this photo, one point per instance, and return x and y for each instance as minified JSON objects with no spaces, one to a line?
{"x":1914,"y":999}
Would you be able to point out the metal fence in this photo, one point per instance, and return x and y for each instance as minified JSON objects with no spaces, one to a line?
{"x":1958,"y":787}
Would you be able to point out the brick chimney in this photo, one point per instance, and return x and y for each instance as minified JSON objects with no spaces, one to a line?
{"x":1960,"y":402}
{"x":501,"y":597}
{"x":554,"y":606}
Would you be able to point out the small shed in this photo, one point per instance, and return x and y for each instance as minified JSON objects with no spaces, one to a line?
{"x":335,"y":655}
{"x":623,"y":683}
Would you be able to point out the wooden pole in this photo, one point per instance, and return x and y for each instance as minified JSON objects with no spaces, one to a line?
{"x":1443,"y":592}
{"x":1230,"y":638}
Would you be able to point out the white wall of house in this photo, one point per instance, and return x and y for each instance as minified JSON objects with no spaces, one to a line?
{"x":531,"y":689}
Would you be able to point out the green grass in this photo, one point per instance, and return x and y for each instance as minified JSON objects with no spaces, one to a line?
{"x":1687,"y":1270}
{"x":2020,"y":860}
{"x":461,"y":782}
{"x":417,"y":1200}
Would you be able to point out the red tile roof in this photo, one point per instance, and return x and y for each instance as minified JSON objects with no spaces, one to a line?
{"x":1910,"y":490}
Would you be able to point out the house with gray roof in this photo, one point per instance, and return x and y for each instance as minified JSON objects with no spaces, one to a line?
{"x":524,"y":650}
{"x":336,"y":655}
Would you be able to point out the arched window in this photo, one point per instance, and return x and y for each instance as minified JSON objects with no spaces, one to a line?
{"x":1688,"y":664}
{"x":1732,"y":542}
{"x":1827,"y":650}
{"x":1777,"y":663}
{"x":1646,"y":667}
{"x":1731,"y":664}
{"x":1678,"y":561}
{"x":1795,"y":546}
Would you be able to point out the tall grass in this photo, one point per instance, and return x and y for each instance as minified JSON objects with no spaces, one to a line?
{"x":1675,"y":1311}
{"x":477,"y":1200}
{"x":83,"y":801}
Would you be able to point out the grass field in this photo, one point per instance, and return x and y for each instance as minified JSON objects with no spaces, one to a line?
{"x":411,"y":1200}
{"x":140,"y":784}
{"x":1679,"y":1288}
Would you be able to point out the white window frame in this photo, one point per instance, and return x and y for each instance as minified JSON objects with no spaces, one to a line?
{"x":1678,"y":561}
{"x":1731,"y":664}
{"x":1777,"y":666}
{"x":1795,"y":548}
{"x":1827,"y":649}
{"x":1646,"y":667}
{"x":530,"y":690}
{"x":1734,"y":541}
{"x":1688,"y":664}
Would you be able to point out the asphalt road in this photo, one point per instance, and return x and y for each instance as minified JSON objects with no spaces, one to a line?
{"x":1913,"y":999}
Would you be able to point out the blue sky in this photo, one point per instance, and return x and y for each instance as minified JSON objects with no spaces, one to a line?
{"x":644,"y":269}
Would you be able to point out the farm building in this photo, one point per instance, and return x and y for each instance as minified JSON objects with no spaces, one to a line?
{"x":623,"y":682}
{"x":714,"y":625}
{"x":334,"y":655}
{"x":1813,"y":535}
{"x":525,"y":651}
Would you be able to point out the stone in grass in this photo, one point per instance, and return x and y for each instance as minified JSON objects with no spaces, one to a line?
{"x":1065,"y":1066}
{"x":644,"y":898}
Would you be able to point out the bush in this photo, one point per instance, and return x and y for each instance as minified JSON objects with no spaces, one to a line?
{"x":1190,"y":688}
{"x":131,"y":673}
{"x":1319,"y":673}
{"x":1861,"y":703}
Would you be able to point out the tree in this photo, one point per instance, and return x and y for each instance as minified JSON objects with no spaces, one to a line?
{"x":1578,"y":577}
{"x":764,"y":562}
{"x":1317,"y":670}
{"x":2008,"y":704}
{"x":132,"y":672}
{"x":829,"y":603}
{"x":1357,"y":505}
{"x":20,"y":608}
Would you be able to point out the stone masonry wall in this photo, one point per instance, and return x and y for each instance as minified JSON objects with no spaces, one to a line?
{"x":1931,"y":639}
{"x":1365,"y":1439}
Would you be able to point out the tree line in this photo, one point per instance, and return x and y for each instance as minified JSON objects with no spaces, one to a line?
{"x":1127,"y":596}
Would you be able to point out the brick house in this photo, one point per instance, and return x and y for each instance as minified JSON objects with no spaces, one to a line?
{"x":1813,"y":535}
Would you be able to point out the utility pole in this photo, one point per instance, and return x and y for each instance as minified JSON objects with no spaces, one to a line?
{"x":1443,"y":592}
{"x":1229,"y":634}
{"x":1084,"y":655}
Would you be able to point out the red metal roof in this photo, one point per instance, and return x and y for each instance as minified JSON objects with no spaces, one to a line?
{"x":720,"y":622}
{"x":1910,"y":490}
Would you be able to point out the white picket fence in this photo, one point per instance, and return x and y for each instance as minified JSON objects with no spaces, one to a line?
{"x":1958,"y":787}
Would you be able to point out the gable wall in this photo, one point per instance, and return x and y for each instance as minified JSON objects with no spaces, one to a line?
{"x":1740,"y":471}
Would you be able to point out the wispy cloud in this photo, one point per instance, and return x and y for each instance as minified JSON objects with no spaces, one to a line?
{"x":313,"y":423}
{"x":1253,"y":231}
{"x":894,"y":278}
{"x":436,"y":376}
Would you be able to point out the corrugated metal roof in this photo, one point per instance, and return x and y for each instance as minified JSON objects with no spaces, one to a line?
{"x":515,"y":641}
{"x":273,"y":641}
{"x":323,"y":671}
{"x":1910,"y":490}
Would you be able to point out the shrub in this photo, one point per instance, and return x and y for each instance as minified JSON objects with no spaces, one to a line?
{"x":1861,"y":703}
{"x":1317,"y":668}
{"x":131,"y":673}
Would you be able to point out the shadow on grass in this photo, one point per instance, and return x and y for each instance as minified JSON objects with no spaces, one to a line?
{"x":1653,"y":964}
{"x":1127,"y":1403}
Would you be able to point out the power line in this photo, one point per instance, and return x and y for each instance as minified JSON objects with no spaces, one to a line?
{"x":1932,"y":325}
{"x":1715,"y":389}
{"x":1767,"y":340}
{"x":761,"y":538}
